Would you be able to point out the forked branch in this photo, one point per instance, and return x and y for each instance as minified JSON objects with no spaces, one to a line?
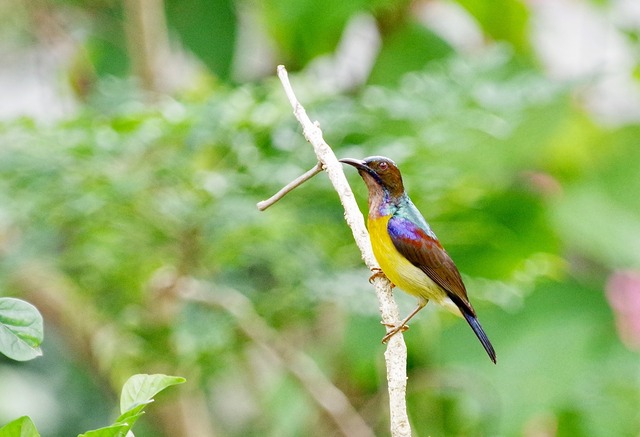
{"x":396,"y":353}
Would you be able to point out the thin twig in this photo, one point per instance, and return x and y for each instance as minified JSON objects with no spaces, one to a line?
{"x":290,"y":186}
{"x":396,"y":353}
{"x":331,"y":399}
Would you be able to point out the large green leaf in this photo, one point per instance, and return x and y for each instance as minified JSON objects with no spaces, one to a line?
{"x":22,"y":427}
{"x":208,"y":29}
{"x":409,"y":48}
{"x":21,"y":329}
{"x":140,"y":389}
{"x":303,"y":29}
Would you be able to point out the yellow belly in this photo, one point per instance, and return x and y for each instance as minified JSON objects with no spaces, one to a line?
{"x":400,"y":271}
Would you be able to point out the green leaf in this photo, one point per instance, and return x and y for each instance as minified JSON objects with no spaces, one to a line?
{"x":409,"y":48}
{"x":116,"y":430}
{"x":131,"y":417}
{"x":22,"y":427}
{"x":505,"y":20}
{"x":21,"y":329}
{"x":303,"y":30}
{"x":206,"y":28}
{"x":139,"y":390}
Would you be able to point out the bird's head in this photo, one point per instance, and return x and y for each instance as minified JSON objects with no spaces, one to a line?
{"x":380,"y":174}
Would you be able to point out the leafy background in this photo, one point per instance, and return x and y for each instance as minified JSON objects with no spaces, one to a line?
{"x":142,"y":174}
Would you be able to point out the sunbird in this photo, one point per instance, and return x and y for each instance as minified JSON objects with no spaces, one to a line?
{"x":408,"y":251}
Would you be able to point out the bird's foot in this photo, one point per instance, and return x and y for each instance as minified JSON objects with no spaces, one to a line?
{"x":378,"y":273}
{"x":393,"y":330}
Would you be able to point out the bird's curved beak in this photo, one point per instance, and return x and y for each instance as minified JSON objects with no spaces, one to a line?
{"x":366,"y":172}
{"x":357,"y":163}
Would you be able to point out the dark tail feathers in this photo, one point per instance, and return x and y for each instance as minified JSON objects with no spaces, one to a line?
{"x":482,"y":336}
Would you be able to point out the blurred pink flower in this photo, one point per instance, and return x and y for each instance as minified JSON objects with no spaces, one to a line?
{"x":623,"y":293}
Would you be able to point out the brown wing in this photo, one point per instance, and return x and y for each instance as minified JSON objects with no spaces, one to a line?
{"x":425,"y":252}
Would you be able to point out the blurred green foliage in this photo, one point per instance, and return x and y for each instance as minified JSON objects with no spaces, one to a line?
{"x":104,"y":214}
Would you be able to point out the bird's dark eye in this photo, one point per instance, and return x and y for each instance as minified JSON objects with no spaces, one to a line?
{"x":383,"y":166}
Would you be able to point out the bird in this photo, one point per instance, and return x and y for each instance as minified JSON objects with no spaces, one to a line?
{"x":408,"y":251}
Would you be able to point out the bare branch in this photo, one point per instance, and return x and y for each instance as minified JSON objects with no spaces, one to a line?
{"x":290,"y":186}
{"x":396,"y":353}
{"x":331,"y":399}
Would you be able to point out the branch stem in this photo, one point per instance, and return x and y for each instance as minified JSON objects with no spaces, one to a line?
{"x":290,"y":186}
{"x":396,"y":353}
